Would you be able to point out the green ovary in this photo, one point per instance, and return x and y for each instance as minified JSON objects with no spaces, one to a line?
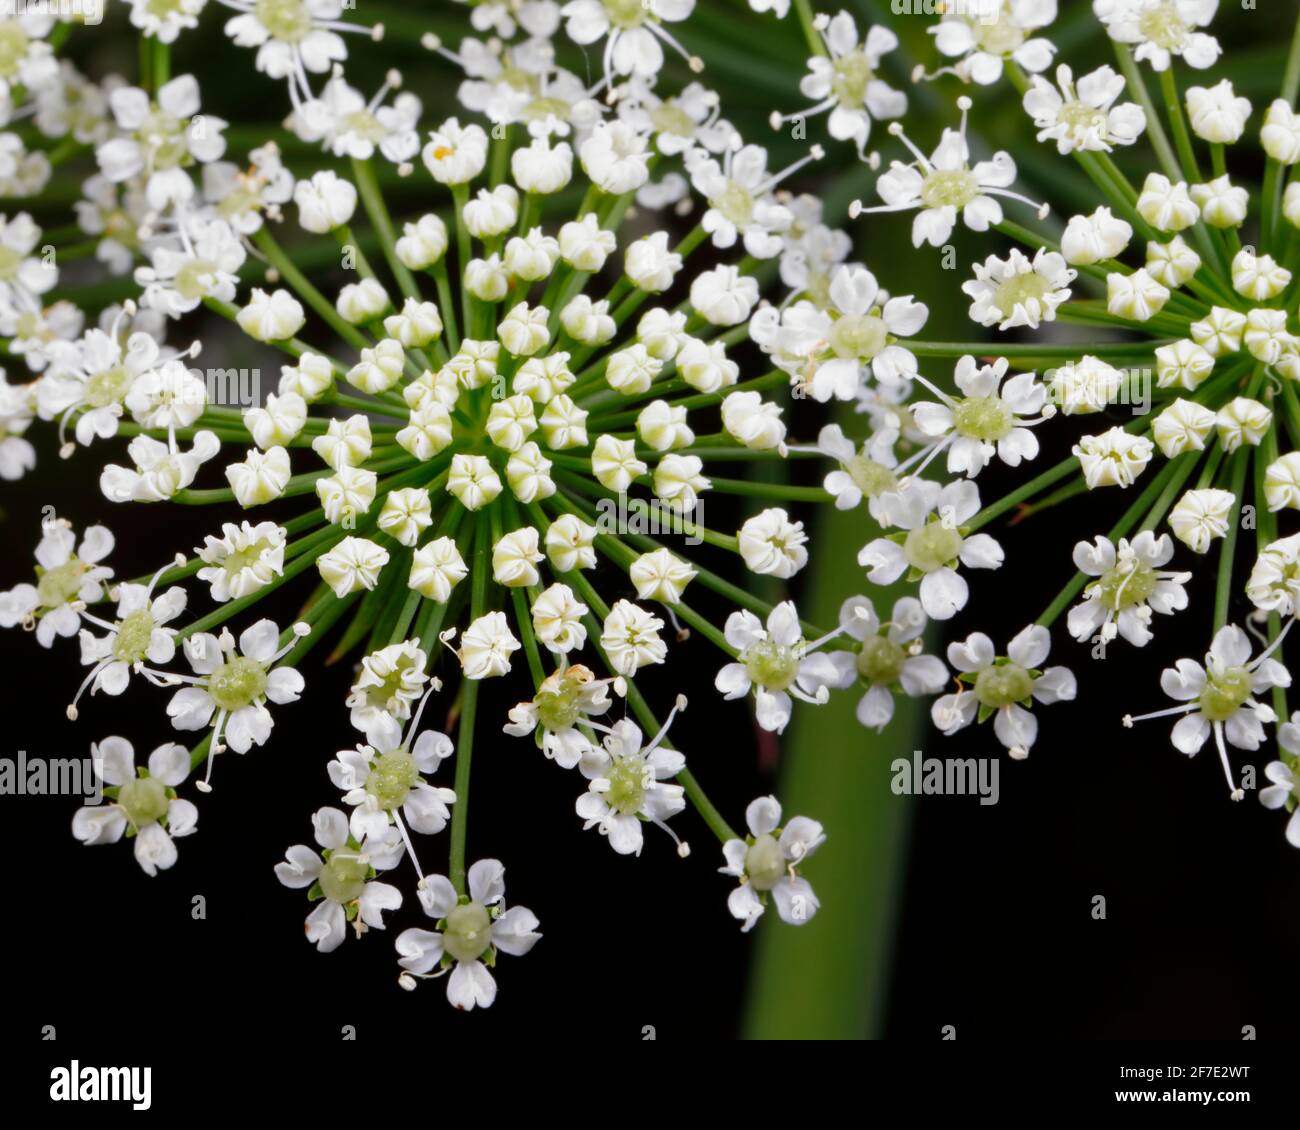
{"x":628,"y":778}
{"x":364,"y":124}
{"x":163,"y":139}
{"x":10,"y":262}
{"x":467,"y":932}
{"x":13,"y":47}
{"x":880,"y":662}
{"x":1123,"y":588}
{"x":626,"y":13}
{"x":735,"y":203}
{"x":932,"y":546}
{"x":539,"y":109}
{"x":870,"y":477}
{"x":1079,"y":117}
{"x":108,"y":387}
{"x":343,"y":877}
{"x":984,"y":418}
{"x":392,"y":776}
{"x":764,"y":863}
{"x":192,"y":279}
{"x":144,"y":800}
{"x":286,"y":20}
{"x":849,"y":79}
{"x":558,"y":710}
{"x":55,"y":587}
{"x":999,"y":36}
{"x":133,"y":637}
{"x":1002,"y":685}
{"x":1019,"y":290}
{"x":771,"y":665}
{"x":1224,"y":693}
{"x":670,"y":119}
{"x":237,"y":683}
{"x":1163,"y":26}
{"x":949,"y":188}
{"x":858,"y":335}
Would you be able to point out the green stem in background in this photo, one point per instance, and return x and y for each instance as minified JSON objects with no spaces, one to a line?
{"x":806,"y":17}
{"x":289,"y":271}
{"x":468,"y":711}
{"x":1240,"y":464}
{"x":829,"y":979}
{"x":373,"y":201}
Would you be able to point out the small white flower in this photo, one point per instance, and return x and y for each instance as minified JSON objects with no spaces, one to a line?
{"x":661,"y":576}
{"x":1166,"y":205}
{"x":455,"y":154}
{"x":277,"y":316}
{"x":1280,"y":134}
{"x":436,"y":568}
{"x":1274,"y":584}
{"x":557,"y":619}
{"x":1085,"y":117}
{"x":889,"y":660}
{"x":515,"y":557}
{"x":1162,"y":29}
{"x":233,"y":684}
{"x":1136,"y":296}
{"x":1284,"y":792}
{"x":1243,"y":420}
{"x":325,"y":201}
{"x":569,"y":544}
{"x":933,"y":544}
{"x":1019,"y":291}
{"x":390,"y":683}
{"x":343,"y":877}
{"x":650,"y":264}
{"x":1220,"y":332}
{"x":1258,"y":277}
{"x":723,"y":296}
{"x":1183,"y":426}
{"x":406,"y":514}
{"x":766,"y":862}
{"x":1220,"y":698}
{"x":1094,"y":238}
{"x":472,"y":930}
{"x":146,"y":806}
{"x":473,"y":481}
{"x":244,"y":559}
{"x":1003,"y":687}
{"x":1222,"y":204}
{"x":1172,"y":263}
{"x":1085,"y":386}
{"x":1216,"y":113}
{"x":1130,"y":586}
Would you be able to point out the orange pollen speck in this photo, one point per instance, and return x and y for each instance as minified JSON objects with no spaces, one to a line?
{"x":442,"y":151}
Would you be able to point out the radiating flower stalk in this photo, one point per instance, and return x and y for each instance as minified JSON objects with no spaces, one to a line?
{"x":512,"y":366}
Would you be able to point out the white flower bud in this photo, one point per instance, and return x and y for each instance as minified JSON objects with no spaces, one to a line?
{"x":379,"y":368}
{"x":1258,"y":277}
{"x":528,"y":472}
{"x":660,"y":576}
{"x":557,"y":619}
{"x":1183,"y":365}
{"x":569,"y":544}
{"x":515,"y":558}
{"x":588,"y":322}
{"x":1280,"y":134}
{"x":1114,"y":458}
{"x":1172,"y":263}
{"x":1200,"y":516}
{"x":1166,"y":205}
{"x":475,"y":363}
{"x":663,"y":427}
{"x":326,"y":201}
{"x":524,"y":331}
{"x":1266,"y":336}
{"x":278,"y":422}
{"x":752,"y":421}
{"x":632,"y":370}
{"x":1242,"y":421}
{"x":352,"y":565}
{"x":771,"y":545}
{"x":585,"y":245}
{"x":531,"y":257}
{"x":486,"y":279}
{"x":486,"y":647}
{"x":436,"y":568}
{"x":1182,"y":427}
{"x":428,"y":430}
{"x":260,"y":478}
{"x":723,"y":296}
{"x":542,"y":378}
{"x":614,"y":463}
{"x":542,"y":168}
{"x":492,"y":212}
{"x":511,"y":421}
{"x":472,"y":480}
{"x":363,"y":301}
{"x":650,"y":264}
{"x":1137,"y":296}
{"x":1282,"y":482}
{"x":346,"y":443}
{"x":705,"y":367}
{"x":418,"y":324}
{"x":277,"y":316}
{"x":563,"y":423}
{"x":678,"y":481}
{"x":1091,"y":239}
{"x":1216,"y":113}
{"x":311,"y":378}
{"x":662,"y":332}
{"x":422,"y":243}
{"x":1086,"y":386}
{"x":630,"y":638}
{"x":406,"y":514}
{"x":1222,"y":204}
{"x":347,"y":493}
{"x":455,"y":154}
{"x":1220,"y":331}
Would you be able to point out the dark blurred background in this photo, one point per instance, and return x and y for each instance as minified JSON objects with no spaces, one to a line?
{"x":937,"y":911}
